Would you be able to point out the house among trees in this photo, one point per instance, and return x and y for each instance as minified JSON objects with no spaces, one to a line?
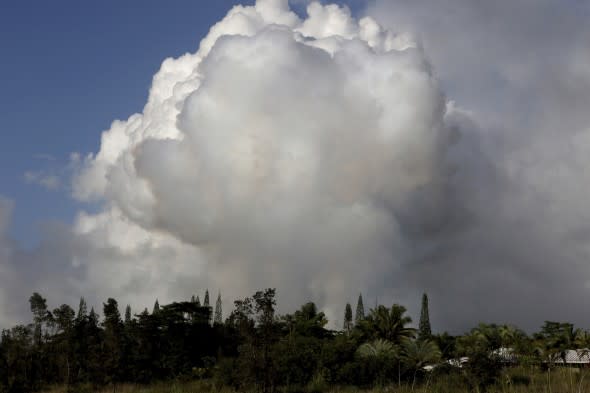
{"x":505,"y":355}
{"x":572,"y":357}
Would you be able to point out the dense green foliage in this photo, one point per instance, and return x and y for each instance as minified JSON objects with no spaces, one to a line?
{"x":255,"y":349}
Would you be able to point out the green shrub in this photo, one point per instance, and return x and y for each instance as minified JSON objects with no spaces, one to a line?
{"x":226,"y":373}
{"x":482,"y":371}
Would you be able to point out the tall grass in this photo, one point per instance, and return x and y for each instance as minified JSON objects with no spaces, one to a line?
{"x":516,"y":380}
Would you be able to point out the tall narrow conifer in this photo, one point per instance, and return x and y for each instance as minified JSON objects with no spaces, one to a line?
{"x":424,"y":331}
{"x":218,"y":316}
{"x":128,"y":314}
{"x":347,"y":319}
{"x":206,"y":304}
{"x":206,"y":300}
{"x":360,"y":310}
{"x":82,"y":309}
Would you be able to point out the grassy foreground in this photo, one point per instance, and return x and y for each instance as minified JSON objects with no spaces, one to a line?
{"x":560,"y":380}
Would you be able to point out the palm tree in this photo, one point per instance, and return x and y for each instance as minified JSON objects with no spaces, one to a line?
{"x":377,"y":349}
{"x":562,"y":340}
{"x":380,"y":352}
{"x":555,"y":339}
{"x":582,"y":339}
{"x":508,"y":335}
{"x":471,"y":343}
{"x":389,"y":324}
{"x":419,"y":353}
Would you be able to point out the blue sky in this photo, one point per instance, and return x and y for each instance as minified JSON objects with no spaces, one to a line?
{"x":68,"y":69}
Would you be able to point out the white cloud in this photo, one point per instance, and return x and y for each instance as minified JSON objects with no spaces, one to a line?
{"x":517,"y":66}
{"x":280,"y":153}
{"x":320,"y":156}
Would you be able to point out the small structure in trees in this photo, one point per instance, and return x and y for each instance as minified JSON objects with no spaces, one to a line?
{"x":572,"y":357}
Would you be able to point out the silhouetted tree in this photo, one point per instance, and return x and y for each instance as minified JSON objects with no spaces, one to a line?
{"x":424,"y":330}
{"x":255,"y":349}
{"x":206,"y":300}
{"x":40,"y":315}
{"x":388,"y":323}
{"x":360,"y":310}
{"x":127,"y":314}
{"x":82,"y":309}
{"x":264,"y":306}
{"x":113,"y":329}
{"x":418,"y":353}
{"x":64,"y":320}
{"x":218,"y":313}
{"x":347,"y":327}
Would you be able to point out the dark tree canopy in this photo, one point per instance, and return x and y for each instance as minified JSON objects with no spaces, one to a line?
{"x":255,"y":349}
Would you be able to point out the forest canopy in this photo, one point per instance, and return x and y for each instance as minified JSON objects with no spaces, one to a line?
{"x":255,"y":348}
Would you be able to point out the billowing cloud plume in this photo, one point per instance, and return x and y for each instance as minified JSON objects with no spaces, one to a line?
{"x":101,"y":256}
{"x":320,"y":156}
{"x":515,"y":245}
{"x":284,"y":150}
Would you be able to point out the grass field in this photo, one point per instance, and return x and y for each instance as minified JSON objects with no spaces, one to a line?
{"x":558,"y":381}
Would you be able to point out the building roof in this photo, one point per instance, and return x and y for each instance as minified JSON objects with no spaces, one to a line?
{"x":573,"y":356}
{"x":505,"y":354}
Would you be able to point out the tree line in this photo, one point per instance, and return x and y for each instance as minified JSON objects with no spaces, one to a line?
{"x":255,"y":348}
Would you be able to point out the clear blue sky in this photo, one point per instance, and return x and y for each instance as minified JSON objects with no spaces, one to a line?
{"x":67,"y":69}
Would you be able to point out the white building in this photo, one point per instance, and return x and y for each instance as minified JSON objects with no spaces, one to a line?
{"x":573,"y":357}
